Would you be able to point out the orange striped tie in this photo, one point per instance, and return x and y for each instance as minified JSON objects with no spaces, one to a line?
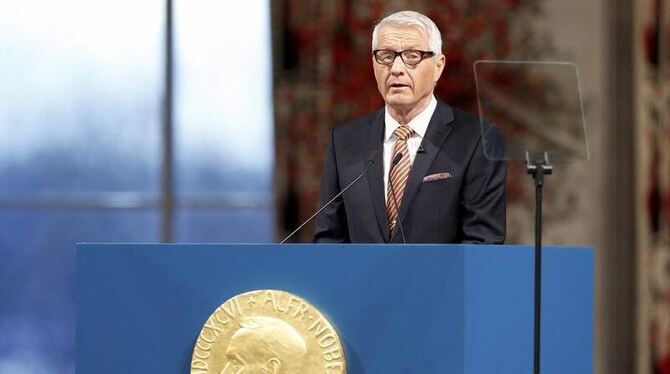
{"x":399,"y":174}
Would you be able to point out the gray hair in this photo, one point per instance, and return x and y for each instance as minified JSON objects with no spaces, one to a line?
{"x":411,"y":18}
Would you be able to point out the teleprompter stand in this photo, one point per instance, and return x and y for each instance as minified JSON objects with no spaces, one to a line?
{"x":537,"y":113}
{"x":538,"y":169}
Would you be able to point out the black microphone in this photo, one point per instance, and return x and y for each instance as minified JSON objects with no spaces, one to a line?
{"x":396,"y":161}
{"x":371,"y":161}
{"x":420,"y":150}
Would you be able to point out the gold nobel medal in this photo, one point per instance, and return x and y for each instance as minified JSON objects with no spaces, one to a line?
{"x":267,"y":331}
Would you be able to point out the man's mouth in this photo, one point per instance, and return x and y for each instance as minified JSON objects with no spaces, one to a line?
{"x":398,"y":85}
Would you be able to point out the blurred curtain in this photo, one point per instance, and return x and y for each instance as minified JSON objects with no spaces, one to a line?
{"x":652,"y":63}
{"x":323,"y":76}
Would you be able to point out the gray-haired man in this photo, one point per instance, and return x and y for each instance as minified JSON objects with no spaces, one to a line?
{"x":429,"y":181}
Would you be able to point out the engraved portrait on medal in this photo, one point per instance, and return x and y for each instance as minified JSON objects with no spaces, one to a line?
{"x":267,"y":331}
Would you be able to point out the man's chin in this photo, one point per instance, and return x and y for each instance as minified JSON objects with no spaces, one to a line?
{"x":399,"y":100}
{"x":400,"y":103}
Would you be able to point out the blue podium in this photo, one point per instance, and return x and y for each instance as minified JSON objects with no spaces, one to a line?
{"x":419,"y":309}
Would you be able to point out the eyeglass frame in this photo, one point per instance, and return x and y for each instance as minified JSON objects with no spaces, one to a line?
{"x":423,"y":56}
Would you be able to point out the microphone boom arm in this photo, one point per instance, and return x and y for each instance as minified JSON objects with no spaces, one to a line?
{"x":370,"y":162}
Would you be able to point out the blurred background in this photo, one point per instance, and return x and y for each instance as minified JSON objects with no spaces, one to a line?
{"x":206,"y":121}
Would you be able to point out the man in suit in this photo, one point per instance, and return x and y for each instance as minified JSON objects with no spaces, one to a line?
{"x":427,"y":179}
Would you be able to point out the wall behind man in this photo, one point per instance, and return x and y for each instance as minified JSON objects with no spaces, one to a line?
{"x":323,"y":77}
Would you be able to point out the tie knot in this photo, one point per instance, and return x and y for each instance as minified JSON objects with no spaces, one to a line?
{"x":403,"y":132}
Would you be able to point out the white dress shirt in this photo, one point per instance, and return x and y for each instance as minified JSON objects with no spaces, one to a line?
{"x":419,"y":124}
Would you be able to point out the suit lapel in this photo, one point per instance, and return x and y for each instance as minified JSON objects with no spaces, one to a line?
{"x":375,"y":143}
{"x":436,"y":134}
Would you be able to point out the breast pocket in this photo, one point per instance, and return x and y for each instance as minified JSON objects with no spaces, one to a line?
{"x":440,"y":183}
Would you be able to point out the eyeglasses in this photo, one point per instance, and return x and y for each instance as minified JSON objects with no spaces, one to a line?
{"x":409,"y":57}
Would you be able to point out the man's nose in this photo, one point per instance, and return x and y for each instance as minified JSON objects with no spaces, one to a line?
{"x":398,"y":66}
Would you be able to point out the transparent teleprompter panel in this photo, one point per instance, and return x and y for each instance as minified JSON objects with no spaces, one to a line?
{"x":536,"y":108}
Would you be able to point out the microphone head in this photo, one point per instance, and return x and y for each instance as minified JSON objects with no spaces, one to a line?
{"x":372,"y":156}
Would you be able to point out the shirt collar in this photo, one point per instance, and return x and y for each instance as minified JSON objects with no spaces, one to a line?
{"x":419,"y":123}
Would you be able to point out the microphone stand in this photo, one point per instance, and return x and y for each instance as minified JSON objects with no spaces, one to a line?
{"x":538,"y":169}
{"x":370,"y":162}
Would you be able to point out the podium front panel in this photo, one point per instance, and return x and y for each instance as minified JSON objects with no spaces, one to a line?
{"x":397,"y":309}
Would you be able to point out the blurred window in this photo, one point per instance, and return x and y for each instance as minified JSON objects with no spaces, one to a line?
{"x":223,"y":121}
{"x":81,"y":143}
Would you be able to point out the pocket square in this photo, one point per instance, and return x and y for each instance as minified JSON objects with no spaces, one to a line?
{"x":434,"y":177}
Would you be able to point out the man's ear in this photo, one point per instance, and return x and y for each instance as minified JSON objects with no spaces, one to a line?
{"x":439,"y":66}
{"x":273,"y":365}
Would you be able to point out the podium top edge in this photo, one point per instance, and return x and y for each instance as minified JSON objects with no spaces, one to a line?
{"x":329,"y":245}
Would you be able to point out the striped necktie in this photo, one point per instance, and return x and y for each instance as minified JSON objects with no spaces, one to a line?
{"x":398,"y":175}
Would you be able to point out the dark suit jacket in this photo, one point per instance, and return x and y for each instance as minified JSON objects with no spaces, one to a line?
{"x":467,"y":207}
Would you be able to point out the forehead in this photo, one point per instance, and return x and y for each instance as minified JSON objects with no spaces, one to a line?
{"x":402,"y":36}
